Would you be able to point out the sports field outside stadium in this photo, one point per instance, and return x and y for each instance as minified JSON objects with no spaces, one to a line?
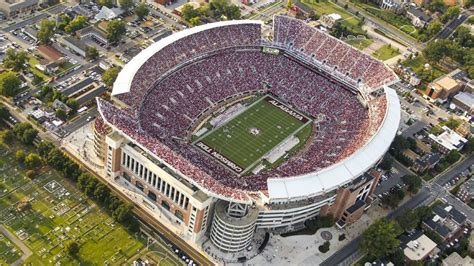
{"x":243,"y":141}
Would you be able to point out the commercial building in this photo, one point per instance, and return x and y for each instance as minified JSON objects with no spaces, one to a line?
{"x":13,"y":8}
{"x":445,"y":221}
{"x":464,"y":101}
{"x":419,"y":249}
{"x":448,"y":140}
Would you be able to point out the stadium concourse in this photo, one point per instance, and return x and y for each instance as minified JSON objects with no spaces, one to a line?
{"x":165,"y":95}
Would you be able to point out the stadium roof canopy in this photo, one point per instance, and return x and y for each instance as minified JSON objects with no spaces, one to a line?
{"x":124,"y":80}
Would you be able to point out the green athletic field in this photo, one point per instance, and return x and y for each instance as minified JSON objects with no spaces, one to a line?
{"x":235,"y":141}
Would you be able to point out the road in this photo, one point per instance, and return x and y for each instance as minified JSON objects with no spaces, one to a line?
{"x":80,"y":121}
{"x":26,"y":22}
{"x":26,"y":251}
{"x":383,"y":26}
{"x":452,"y":25}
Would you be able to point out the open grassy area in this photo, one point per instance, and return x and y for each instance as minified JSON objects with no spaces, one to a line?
{"x":418,"y":65}
{"x":385,"y":52}
{"x":9,"y":253}
{"x":49,"y":211}
{"x":33,"y":62}
{"x":360,"y":44}
{"x":323,"y":7}
{"x":253,"y":133}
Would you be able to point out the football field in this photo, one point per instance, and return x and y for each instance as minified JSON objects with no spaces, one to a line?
{"x":242,"y":141}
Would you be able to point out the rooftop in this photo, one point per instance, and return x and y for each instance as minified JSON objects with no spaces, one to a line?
{"x":420,"y":248}
{"x":466,"y":98}
{"x":449,"y":139}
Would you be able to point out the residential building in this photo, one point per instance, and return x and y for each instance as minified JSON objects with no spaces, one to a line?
{"x":329,"y":20}
{"x":418,"y":17}
{"x":427,"y":161}
{"x":74,"y":44}
{"x":466,"y":191}
{"x":448,"y":140}
{"x":13,"y":8}
{"x":419,"y":249}
{"x":446,"y":221}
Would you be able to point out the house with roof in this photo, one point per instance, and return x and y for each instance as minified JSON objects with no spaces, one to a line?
{"x":466,"y":191}
{"x":456,"y":259}
{"x":426,"y":162}
{"x":329,"y":20}
{"x":95,"y":34}
{"x":75,"y":44}
{"x":446,"y":221}
{"x":418,"y":17}
{"x":446,"y":86}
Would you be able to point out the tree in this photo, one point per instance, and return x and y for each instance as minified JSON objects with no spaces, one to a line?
{"x":141,"y":11}
{"x":56,"y":159}
{"x":109,"y":76}
{"x":289,"y":4}
{"x":413,"y":182}
{"x":76,"y":24}
{"x":44,"y":148}
{"x":25,"y":133}
{"x":9,"y":84}
{"x":6,"y":136}
{"x":107,"y":3}
{"x":63,"y":21}
{"x":32,"y":160}
{"x":73,"y":104}
{"x":61,"y":114}
{"x":101,"y":192}
{"x":386,"y":163}
{"x":126,"y":4}
{"x":324,"y":247}
{"x":435,"y":51}
{"x":450,"y":13}
{"x":464,"y":37}
{"x":72,"y":248}
{"x":195,"y":21}
{"x":436,"y":5}
{"x":30,"y":174}
{"x":14,"y":60}
{"x":115,"y":30}
{"x":46,"y":31}
{"x":4,"y":113}
{"x":469,"y":146}
{"x":188,"y":12}
{"x":20,"y":156}
{"x":408,"y":220}
{"x":380,"y":239}
{"x":82,"y":181}
{"x":434,"y":27}
{"x":91,"y":53}
{"x":452,"y":156}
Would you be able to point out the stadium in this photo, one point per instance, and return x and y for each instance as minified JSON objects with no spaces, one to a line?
{"x":226,"y":131}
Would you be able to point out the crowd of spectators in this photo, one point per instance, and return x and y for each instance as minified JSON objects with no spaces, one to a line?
{"x":224,"y":63}
{"x":294,"y":34}
{"x":341,"y":128}
{"x":185,"y":49}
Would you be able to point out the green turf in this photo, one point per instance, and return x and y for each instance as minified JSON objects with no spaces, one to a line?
{"x":360,"y":44}
{"x":385,"y":52}
{"x":61,"y":215}
{"x":9,"y":253}
{"x":234,"y":140}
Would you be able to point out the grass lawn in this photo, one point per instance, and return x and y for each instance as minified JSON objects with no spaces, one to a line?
{"x":57,"y":213}
{"x":9,"y":252}
{"x":236,"y":141}
{"x":418,"y":65}
{"x":385,"y":52}
{"x":360,"y":44}
{"x":33,"y":62}
{"x":326,"y":7}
